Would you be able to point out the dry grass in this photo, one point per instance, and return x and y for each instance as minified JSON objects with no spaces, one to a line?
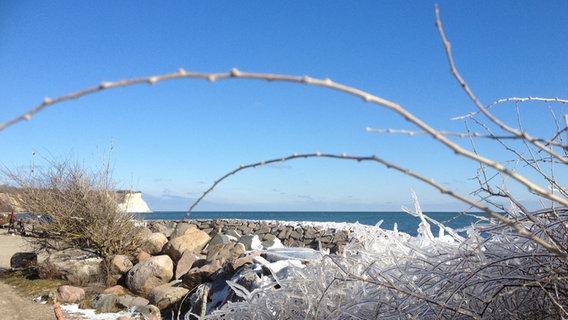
{"x":28,"y":283}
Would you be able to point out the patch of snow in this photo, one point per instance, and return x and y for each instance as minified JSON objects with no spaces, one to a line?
{"x":256,"y":244}
{"x":290,"y":253}
{"x":91,"y":315}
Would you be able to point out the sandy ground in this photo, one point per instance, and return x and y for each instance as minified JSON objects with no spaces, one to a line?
{"x":14,"y":305}
{"x":9,"y":245}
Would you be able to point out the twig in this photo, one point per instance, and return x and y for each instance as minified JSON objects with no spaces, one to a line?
{"x":327,"y":83}
{"x":464,"y":135}
{"x":473,"y":98}
{"x":204,"y":301}
{"x":492,"y":214}
{"x":515,"y":99}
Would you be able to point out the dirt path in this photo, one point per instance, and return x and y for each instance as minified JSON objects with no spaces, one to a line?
{"x":14,"y":306}
{"x":9,"y":245}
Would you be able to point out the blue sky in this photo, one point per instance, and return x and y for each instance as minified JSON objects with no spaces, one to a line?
{"x":174,"y":139}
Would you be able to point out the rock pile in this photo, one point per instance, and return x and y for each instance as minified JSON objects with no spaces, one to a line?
{"x":181,"y":260}
{"x":291,"y":234}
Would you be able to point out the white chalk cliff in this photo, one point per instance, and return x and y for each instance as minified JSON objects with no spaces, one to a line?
{"x":133,"y":202}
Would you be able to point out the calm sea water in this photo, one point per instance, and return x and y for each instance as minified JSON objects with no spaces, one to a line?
{"x":406,"y":223}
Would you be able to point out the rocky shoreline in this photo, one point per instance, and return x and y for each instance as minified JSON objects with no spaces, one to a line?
{"x":185,"y":266}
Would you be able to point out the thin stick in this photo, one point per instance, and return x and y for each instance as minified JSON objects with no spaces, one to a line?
{"x":327,"y":83}
{"x":204,"y":301}
{"x":492,"y":214}
{"x":512,"y":99}
{"x":57,"y":310}
{"x":473,"y":98}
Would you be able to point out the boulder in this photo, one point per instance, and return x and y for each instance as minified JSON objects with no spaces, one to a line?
{"x":248,"y":259}
{"x":217,"y":240}
{"x":193,"y":240}
{"x":225,"y":252}
{"x":105,"y":303}
{"x":149,"y":312}
{"x":144,"y":232}
{"x":154,"y":243}
{"x":120,"y":264}
{"x":185,"y":263}
{"x":23,"y":260}
{"x":251,"y":242}
{"x":150,"y":273}
{"x":117,"y":290}
{"x":166,"y":295}
{"x":180,"y":229}
{"x":116,"y":267}
{"x":141,"y":256}
{"x":232,"y":233}
{"x":127,"y":301}
{"x":194,"y":278}
{"x":162,"y":228}
{"x":73,"y":265}
{"x":198,"y":275}
{"x":70,"y":294}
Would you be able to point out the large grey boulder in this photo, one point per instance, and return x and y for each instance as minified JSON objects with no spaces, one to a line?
{"x":150,"y":273}
{"x":127,"y":301}
{"x":105,"y":303}
{"x":218,"y":240}
{"x":225,"y":252}
{"x":74,"y":265}
{"x":194,"y":240}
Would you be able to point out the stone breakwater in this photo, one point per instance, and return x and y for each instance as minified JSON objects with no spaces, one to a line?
{"x":323,"y":236}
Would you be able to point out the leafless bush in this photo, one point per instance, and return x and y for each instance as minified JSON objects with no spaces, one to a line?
{"x":79,"y":208}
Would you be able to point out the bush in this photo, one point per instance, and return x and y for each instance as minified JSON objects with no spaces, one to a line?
{"x":81,"y":207}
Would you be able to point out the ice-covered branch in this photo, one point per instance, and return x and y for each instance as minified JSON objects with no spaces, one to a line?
{"x":459,"y":135}
{"x":512,"y":99}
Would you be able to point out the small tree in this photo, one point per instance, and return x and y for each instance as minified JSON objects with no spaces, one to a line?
{"x":80,"y":206}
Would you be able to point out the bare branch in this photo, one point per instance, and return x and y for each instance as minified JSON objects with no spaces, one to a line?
{"x":478,"y":104}
{"x":327,"y":83}
{"x":492,"y":214}
{"x":462,"y":135}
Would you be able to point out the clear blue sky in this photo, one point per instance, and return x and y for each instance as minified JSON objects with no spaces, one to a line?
{"x":172,"y":140}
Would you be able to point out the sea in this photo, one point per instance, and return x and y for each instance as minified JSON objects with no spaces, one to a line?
{"x":404,"y":221}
